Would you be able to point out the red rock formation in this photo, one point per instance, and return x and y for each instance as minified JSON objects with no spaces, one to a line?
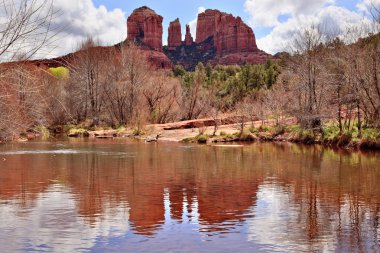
{"x":145,"y":26}
{"x":157,"y":60}
{"x":175,"y":34}
{"x":234,"y":36}
{"x":188,"y":38}
{"x":206,"y":25}
{"x":257,"y":57}
{"x":231,"y":34}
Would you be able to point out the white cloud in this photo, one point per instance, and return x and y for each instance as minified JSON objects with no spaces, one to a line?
{"x":323,"y":13}
{"x":367,"y":6}
{"x":193,"y":23}
{"x":267,"y":13}
{"x":81,"y":19}
{"x":54,"y":221}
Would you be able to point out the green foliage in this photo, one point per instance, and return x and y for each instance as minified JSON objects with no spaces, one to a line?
{"x":371,"y":134}
{"x":279,"y":130}
{"x":222,"y":133}
{"x":306,"y":136}
{"x":138,"y":132}
{"x":232,"y":83}
{"x":77,"y":131}
{"x":264,"y":129}
{"x":43,"y":131}
{"x":253,"y":130}
{"x":202,"y":138}
{"x":179,"y":71}
{"x":330,"y":132}
{"x":66,"y":128}
{"x":333,"y":135}
{"x":272,"y":73}
{"x":121,"y":129}
{"x":60,"y":72}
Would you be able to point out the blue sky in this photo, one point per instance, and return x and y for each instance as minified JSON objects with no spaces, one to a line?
{"x":273,"y":21}
{"x":187,"y":10}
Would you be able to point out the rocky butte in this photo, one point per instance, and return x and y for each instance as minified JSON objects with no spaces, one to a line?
{"x":145,"y":28}
{"x":188,"y":38}
{"x":221,"y":39}
{"x":175,"y":34}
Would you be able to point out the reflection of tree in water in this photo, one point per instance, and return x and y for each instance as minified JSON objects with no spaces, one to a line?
{"x":333,"y":195}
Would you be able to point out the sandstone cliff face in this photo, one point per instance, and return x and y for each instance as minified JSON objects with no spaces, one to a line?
{"x":157,"y":59}
{"x":234,"y":36}
{"x":206,"y":26}
{"x":231,"y":34}
{"x":188,"y":38}
{"x":221,"y":39}
{"x":190,"y":55}
{"x":145,"y":26}
{"x":175,"y":34}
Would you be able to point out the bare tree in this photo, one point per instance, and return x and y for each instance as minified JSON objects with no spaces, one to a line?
{"x":25,"y":27}
{"x":308,"y":81}
{"x":127,"y":78}
{"x":160,"y":93}
{"x":22,"y":101}
{"x":56,"y":94}
{"x":87,"y":79}
{"x":193,"y":93}
{"x":214,"y":104}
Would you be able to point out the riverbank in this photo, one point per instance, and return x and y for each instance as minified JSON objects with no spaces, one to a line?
{"x":330,"y":137}
{"x":202,"y":131}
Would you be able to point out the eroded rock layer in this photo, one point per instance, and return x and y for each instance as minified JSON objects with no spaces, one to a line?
{"x":231,"y":34}
{"x":221,"y":39}
{"x":175,"y":34}
{"x":145,"y":25}
{"x":188,"y":38}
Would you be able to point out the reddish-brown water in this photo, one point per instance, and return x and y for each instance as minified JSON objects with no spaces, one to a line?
{"x":122,"y":196}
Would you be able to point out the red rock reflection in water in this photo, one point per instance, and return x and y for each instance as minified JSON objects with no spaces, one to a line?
{"x":323,"y":187}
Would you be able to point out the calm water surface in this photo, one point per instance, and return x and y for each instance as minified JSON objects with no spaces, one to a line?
{"x":122,"y":196}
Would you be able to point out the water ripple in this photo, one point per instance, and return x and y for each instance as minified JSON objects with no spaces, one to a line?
{"x":63,"y":152}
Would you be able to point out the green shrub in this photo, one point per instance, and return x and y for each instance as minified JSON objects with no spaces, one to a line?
{"x":45,"y":133}
{"x":306,"y":136}
{"x":331,"y":133}
{"x":295,"y":129}
{"x":138,"y":132}
{"x":121,"y":129}
{"x":264,"y":129}
{"x":188,"y":140}
{"x":66,"y":128}
{"x":279,"y":130}
{"x":59,"y":73}
{"x":77,"y":132}
{"x":371,"y":134}
{"x":202,"y":138}
{"x":253,"y":130}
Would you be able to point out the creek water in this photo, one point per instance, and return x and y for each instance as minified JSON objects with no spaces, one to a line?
{"x":124,"y":196}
